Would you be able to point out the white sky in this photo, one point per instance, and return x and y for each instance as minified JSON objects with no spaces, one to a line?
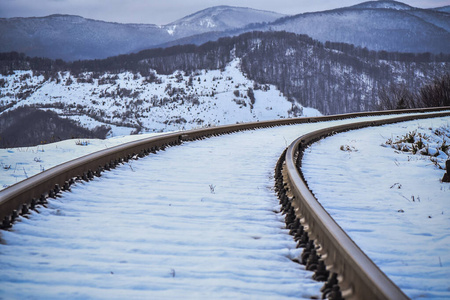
{"x":166,"y":11}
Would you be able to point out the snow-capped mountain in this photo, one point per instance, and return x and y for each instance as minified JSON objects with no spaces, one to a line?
{"x":221,"y":18}
{"x":431,"y":16}
{"x":377,"y":25}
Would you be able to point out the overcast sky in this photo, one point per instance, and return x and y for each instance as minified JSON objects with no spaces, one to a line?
{"x":162,"y":12}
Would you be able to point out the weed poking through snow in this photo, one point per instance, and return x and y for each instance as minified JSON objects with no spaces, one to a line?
{"x":82,"y":142}
{"x":434,"y":144}
{"x":348,"y":148}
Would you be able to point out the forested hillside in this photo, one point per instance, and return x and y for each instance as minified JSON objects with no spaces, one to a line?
{"x":29,"y":127}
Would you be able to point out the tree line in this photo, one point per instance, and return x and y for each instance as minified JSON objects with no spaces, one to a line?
{"x":28,"y":126}
{"x":434,"y":94}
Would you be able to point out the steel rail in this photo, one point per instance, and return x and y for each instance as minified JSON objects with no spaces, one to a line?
{"x":16,"y":198}
{"x":20,"y":197}
{"x":359,"y":277}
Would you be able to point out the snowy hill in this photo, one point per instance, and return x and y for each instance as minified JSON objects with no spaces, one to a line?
{"x":221,"y":18}
{"x":128,"y":102}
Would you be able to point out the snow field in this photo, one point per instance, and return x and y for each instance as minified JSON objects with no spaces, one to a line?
{"x":391,"y":203}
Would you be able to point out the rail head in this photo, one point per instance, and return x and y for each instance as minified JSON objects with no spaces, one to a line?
{"x":360,"y":277}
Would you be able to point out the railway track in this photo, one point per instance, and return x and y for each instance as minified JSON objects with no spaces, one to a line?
{"x":356,"y":279}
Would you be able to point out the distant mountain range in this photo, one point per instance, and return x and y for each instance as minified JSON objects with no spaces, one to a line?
{"x":73,"y":38}
{"x":377,"y":25}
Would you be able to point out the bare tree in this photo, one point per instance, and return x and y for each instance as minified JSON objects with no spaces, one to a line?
{"x":396,"y":97}
{"x":437,"y":93}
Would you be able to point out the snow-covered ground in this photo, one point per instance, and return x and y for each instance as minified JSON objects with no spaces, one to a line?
{"x":194,"y":221}
{"x":390,"y":201}
{"x":154,"y":103}
{"x":17,"y":164}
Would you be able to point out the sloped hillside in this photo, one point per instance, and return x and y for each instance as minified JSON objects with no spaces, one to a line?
{"x":25,"y":126}
{"x":128,"y":102}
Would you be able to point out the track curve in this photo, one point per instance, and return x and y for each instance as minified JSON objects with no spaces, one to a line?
{"x":44,"y":183}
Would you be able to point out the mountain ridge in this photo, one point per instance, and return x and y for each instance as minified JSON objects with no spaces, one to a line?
{"x":213,"y":11}
{"x":386,"y":4}
{"x":71,"y":37}
{"x":443,"y":9}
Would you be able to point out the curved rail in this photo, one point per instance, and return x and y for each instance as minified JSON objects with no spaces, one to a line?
{"x":18,"y":198}
{"x":359,"y":277}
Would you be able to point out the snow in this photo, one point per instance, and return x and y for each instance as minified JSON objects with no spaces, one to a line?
{"x":391,"y":203}
{"x":198,"y":220}
{"x":207,"y":22}
{"x":171,"y":29}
